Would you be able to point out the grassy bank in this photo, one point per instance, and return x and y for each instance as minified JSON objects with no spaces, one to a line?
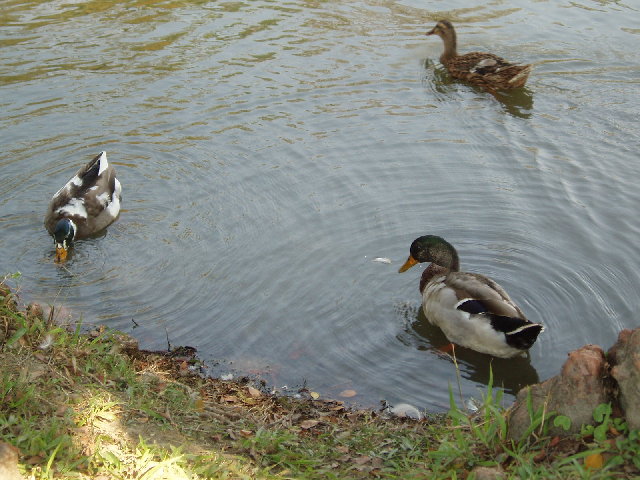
{"x":95,"y":406}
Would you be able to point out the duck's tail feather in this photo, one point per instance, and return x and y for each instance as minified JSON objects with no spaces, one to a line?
{"x":519,"y":333}
{"x":91,"y":171}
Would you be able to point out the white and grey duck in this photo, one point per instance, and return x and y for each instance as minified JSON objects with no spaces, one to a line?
{"x":472,"y":310}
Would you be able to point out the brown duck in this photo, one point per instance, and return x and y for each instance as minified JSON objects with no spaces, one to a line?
{"x":485,"y":70}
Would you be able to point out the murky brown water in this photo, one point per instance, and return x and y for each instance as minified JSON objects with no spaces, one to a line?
{"x":269,"y":151}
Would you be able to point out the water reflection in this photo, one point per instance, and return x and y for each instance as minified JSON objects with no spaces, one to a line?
{"x":517,"y":102}
{"x":511,"y":374}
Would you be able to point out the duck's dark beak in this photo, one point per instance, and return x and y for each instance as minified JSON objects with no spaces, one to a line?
{"x":432,"y":31}
{"x":61,"y":253}
{"x":408,"y":264}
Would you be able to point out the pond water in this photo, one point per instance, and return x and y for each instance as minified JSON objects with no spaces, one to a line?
{"x":270,"y":151}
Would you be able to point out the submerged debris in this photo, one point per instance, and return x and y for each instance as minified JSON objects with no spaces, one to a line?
{"x":382,"y":260}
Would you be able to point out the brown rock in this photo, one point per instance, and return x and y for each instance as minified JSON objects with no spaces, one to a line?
{"x":625,"y":358}
{"x":575,"y":393}
{"x":615,"y":351}
{"x":9,"y":462}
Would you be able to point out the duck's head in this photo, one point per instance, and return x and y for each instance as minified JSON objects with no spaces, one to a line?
{"x":431,"y":248}
{"x":444,"y":29}
{"x":63,"y":237}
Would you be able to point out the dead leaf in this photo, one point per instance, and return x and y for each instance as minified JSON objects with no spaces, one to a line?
{"x":229,"y":398}
{"x":199,"y":405}
{"x":34,"y":372}
{"x":540,"y":457}
{"x":314,"y":395}
{"x":160,"y":387}
{"x":307,"y":424}
{"x":594,"y":461}
{"x":183,"y":369}
{"x":107,"y":416}
{"x":254,"y":392}
{"x":246,"y":433}
{"x":362,"y":460}
{"x":348,"y":393}
{"x":554,"y":441}
{"x":34,"y":460}
{"x":342,"y":449}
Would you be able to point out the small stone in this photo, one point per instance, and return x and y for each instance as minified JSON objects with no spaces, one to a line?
{"x":9,"y":462}
{"x":487,"y":473}
{"x":404,"y":410}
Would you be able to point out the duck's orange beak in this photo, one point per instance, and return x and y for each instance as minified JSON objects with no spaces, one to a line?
{"x":408,"y":264}
{"x":61,"y":254}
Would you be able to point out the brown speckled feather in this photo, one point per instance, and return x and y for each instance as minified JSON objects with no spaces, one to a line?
{"x":472,"y":68}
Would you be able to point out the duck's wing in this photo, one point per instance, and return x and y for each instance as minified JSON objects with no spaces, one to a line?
{"x":480,"y":294}
{"x":83,"y":180}
{"x":90,"y":198}
{"x":478,"y":63}
{"x":486,"y":301}
{"x":488,"y":70}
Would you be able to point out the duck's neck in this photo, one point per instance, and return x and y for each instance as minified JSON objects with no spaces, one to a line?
{"x":432,"y":271}
{"x":450,"y":47}
{"x":444,"y":255}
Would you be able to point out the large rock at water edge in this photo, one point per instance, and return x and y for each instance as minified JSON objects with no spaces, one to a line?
{"x":625,"y":358}
{"x":575,"y":393}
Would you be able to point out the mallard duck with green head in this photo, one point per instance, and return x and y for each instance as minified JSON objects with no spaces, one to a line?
{"x":485,"y":70}
{"x":472,"y":310}
{"x":87,"y":204}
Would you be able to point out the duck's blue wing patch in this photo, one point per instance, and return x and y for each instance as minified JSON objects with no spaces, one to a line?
{"x":472,"y":306}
